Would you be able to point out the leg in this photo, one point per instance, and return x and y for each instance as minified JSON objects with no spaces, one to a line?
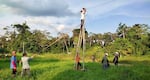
{"x":28,"y":72}
{"x":78,"y":66}
{"x":23,"y":72}
{"x":116,"y":63}
{"x":82,"y":23}
{"x":14,"y":72}
{"x":103,"y":66}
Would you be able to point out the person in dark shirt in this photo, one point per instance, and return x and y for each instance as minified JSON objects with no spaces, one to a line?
{"x":116,"y":57}
{"x":105,"y":61}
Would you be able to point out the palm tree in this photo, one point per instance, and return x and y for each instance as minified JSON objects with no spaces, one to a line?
{"x":22,"y":29}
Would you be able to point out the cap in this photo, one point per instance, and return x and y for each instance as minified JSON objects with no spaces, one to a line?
{"x":116,"y":52}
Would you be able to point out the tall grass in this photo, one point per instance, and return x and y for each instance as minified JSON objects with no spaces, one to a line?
{"x":61,"y":67}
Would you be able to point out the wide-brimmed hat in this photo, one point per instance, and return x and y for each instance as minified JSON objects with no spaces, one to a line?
{"x":106,"y":54}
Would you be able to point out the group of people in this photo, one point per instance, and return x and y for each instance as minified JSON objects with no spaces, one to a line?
{"x":26,"y":68}
{"x":105,"y":61}
{"x":24,"y":61}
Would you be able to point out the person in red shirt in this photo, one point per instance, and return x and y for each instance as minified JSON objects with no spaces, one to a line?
{"x":78,"y":64}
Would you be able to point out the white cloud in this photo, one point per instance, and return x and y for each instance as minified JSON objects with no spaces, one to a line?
{"x":60,"y":27}
{"x":55,"y":23}
{"x":58,"y":15}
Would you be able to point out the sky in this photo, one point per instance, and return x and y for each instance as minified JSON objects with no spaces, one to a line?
{"x":64,"y":15}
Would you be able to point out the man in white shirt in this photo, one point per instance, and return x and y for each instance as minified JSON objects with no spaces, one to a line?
{"x":25,"y":64}
{"x":83,"y":11}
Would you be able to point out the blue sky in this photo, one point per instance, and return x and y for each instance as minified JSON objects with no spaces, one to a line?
{"x":64,"y":15}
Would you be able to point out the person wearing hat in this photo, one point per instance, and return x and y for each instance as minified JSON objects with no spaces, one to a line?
{"x":116,"y":57}
{"x":105,"y":61}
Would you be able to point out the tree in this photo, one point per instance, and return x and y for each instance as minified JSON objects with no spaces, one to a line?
{"x":138,"y":36}
{"x":38,"y":41}
{"x":107,"y":38}
{"x":122,"y":30}
{"x":121,"y":45}
{"x":23,"y":29}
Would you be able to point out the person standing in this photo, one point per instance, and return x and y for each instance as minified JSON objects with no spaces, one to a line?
{"x":116,"y":57}
{"x":78,"y":64}
{"x":93,"y":58}
{"x":83,"y":11}
{"x":105,"y":61}
{"x":13,"y":63}
{"x":25,"y":64}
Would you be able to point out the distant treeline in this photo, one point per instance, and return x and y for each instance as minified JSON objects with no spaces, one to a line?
{"x":127,"y":40}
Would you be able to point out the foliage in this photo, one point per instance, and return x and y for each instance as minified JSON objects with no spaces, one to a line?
{"x":133,"y":40}
{"x":121,"y":45}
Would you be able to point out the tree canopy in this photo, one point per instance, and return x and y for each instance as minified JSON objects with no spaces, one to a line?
{"x":128,"y":40}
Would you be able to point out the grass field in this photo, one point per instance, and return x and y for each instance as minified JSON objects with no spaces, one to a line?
{"x":61,"y":67}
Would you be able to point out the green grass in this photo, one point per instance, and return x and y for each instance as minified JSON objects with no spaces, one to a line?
{"x":61,"y":67}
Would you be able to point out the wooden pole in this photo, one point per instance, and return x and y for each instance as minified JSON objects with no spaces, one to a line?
{"x":23,"y":47}
{"x":83,"y":35}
